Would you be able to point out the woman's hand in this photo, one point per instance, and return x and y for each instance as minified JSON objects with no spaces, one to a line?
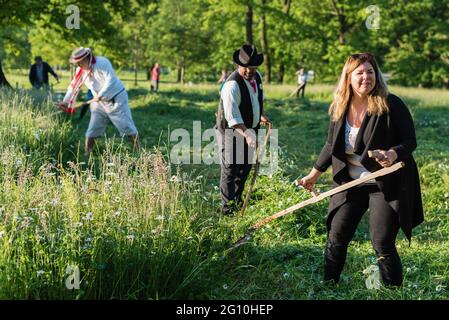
{"x":384,"y":158}
{"x":309,"y":181}
{"x":264,"y":120}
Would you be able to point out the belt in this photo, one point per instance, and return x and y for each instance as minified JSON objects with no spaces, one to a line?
{"x":113,"y":98}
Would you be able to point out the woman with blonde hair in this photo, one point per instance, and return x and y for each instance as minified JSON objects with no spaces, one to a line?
{"x":365,"y":116}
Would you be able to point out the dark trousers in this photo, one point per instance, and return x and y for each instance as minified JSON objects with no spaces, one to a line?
{"x":301,"y":89}
{"x":383,"y":228}
{"x":235,"y":165}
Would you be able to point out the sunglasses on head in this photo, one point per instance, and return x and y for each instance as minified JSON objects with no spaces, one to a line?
{"x":362,"y":56}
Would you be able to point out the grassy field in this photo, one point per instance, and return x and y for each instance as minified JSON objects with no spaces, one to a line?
{"x":137,"y":227}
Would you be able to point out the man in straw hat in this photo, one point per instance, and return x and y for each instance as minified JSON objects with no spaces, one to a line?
{"x":110,"y":99}
{"x":239,"y":116}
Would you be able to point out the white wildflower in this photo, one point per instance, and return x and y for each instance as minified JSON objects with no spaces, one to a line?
{"x":225,"y":286}
{"x":439,"y":288}
{"x":373,"y":277}
{"x":286,"y":275}
{"x":2,"y":233}
{"x":88,"y":216}
{"x":40,"y":273}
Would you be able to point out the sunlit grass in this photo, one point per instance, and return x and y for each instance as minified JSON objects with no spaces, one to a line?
{"x":138,"y":227}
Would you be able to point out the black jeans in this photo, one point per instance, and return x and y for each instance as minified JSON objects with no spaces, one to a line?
{"x":383,"y":228}
{"x":235,"y":162}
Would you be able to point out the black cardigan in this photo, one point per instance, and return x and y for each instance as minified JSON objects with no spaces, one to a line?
{"x":33,"y":73}
{"x":391,"y":130}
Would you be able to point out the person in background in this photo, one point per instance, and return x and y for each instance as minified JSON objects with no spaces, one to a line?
{"x":39,"y":73}
{"x":110,"y":99}
{"x":155,"y":74}
{"x":302,"y":82}
{"x":240,"y":114}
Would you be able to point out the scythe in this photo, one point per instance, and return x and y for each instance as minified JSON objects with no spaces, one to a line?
{"x":259,"y":152}
{"x":316,"y":198}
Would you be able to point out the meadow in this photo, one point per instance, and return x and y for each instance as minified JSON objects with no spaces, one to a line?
{"x":136,"y":226}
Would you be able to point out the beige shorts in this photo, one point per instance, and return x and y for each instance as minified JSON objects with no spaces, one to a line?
{"x":118,"y":113}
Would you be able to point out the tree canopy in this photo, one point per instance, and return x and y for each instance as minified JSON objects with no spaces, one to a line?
{"x":196,"y":38}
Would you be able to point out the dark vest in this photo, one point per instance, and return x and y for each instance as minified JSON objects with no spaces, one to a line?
{"x":245,"y":107}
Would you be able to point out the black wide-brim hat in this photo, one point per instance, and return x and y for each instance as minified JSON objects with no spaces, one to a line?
{"x":247,"y":56}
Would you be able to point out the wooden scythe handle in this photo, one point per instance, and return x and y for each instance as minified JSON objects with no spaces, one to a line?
{"x":259,"y":152}
{"x":373,"y":175}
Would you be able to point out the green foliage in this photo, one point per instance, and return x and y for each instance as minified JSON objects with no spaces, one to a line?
{"x":196,"y":38}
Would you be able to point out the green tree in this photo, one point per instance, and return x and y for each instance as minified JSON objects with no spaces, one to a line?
{"x":178,"y":37}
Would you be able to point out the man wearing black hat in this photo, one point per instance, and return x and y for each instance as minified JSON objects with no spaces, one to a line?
{"x":39,"y":73}
{"x":239,"y":116}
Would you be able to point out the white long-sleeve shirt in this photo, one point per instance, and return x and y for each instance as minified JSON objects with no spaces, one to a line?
{"x":102,"y":80}
{"x":230,"y":94}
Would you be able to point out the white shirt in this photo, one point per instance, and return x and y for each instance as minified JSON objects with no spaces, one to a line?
{"x":230,"y":94}
{"x":302,"y":78}
{"x":355,"y":167}
{"x":102,"y":81}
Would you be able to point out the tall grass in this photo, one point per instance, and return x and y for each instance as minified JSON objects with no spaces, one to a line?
{"x":138,"y":228}
{"x":130,"y":226}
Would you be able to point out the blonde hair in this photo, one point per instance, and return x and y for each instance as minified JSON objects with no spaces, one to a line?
{"x":377,"y":98}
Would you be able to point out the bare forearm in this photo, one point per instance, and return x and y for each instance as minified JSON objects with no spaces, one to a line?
{"x":240,"y":128}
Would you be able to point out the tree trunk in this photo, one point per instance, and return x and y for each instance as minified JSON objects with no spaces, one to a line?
{"x":136,"y":51}
{"x":180,"y":73}
{"x":135,"y":67}
{"x":286,"y":9}
{"x":3,"y":81}
{"x":249,"y":24}
{"x":265,"y":46}
{"x":342,"y":23}
{"x":281,"y":72}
